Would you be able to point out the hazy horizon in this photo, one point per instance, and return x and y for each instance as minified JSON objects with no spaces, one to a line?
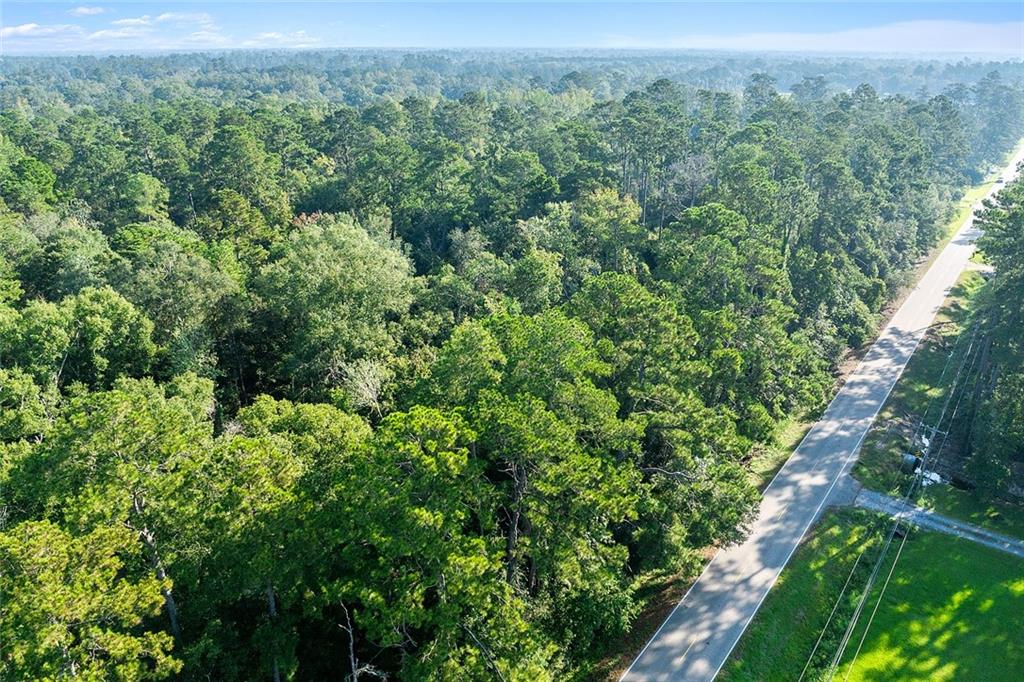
{"x":916,"y":29}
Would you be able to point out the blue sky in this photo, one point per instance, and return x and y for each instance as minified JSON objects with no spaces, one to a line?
{"x":98,"y":26}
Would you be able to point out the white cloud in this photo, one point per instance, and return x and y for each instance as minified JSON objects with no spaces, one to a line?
{"x":278,"y":39}
{"x":144,"y":20}
{"x":120,"y":33}
{"x":166,"y":31}
{"x":29,"y":30}
{"x":925,"y":36}
{"x":86,"y":11}
{"x":200,"y":18}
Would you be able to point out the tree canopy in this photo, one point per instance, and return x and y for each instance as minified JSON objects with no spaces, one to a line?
{"x":354,"y":365}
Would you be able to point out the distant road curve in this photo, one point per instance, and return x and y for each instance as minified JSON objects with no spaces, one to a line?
{"x":695,"y":640}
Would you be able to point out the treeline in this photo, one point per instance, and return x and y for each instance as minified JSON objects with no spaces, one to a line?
{"x":423,"y":388}
{"x":994,"y":424}
{"x":359,"y":77}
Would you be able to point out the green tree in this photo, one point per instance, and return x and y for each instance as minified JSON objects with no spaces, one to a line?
{"x":558,"y":451}
{"x":25,"y":408}
{"x":192,"y":302}
{"x":416,"y":566}
{"x":126,"y":459}
{"x":328,"y":298}
{"x":93,"y":337}
{"x":144,"y":198}
{"x":28,"y":186}
{"x":236,"y":159}
{"x":609,"y":229}
{"x":69,"y":610}
{"x":71,"y":258}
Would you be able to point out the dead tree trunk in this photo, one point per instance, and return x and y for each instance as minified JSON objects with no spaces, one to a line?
{"x":519,"y":492}
{"x":149,"y":542}
{"x":272,"y":613}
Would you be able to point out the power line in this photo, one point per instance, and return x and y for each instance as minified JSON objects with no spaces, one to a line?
{"x":830,"y":616}
{"x":949,"y":360}
{"x":902,"y":508}
{"x":906,"y":535}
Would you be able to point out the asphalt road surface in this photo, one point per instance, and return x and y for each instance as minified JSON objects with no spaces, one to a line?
{"x":695,"y":640}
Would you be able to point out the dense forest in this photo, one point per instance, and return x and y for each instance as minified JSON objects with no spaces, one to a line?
{"x":359,"y":77}
{"x":413,"y":366}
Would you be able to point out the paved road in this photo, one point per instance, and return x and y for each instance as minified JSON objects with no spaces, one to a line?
{"x":696,"y":639}
{"x":926,"y":518}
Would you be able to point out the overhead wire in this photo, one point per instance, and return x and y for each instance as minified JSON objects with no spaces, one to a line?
{"x":920,"y":423}
{"x":917,"y":429}
{"x":904,"y":502}
{"x":903,"y":542}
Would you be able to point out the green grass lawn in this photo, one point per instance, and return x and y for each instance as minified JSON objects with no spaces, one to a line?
{"x":779,"y":641}
{"x":954,"y":610}
{"x":998,"y":516}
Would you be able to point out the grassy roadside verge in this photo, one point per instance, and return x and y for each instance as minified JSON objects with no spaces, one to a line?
{"x":922,"y":383}
{"x":978,"y":192}
{"x":766,"y":460}
{"x":956,"y":623}
{"x":918,"y":395}
{"x":779,"y":641}
{"x":919,"y":392}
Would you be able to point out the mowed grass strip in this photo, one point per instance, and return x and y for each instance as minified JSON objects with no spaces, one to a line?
{"x":767,"y":458}
{"x":1002,"y":517}
{"x":920,"y":391}
{"x":953,"y":610}
{"x":919,"y":394}
{"x":778,"y":642}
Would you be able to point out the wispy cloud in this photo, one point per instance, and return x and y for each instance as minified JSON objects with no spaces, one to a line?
{"x":293,"y":39}
{"x":86,"y":11}
{"x":30,"y":30}
{"x":925,"y":36}
{"x":165,"y":31}
{"x":144,"y":20}
{"x":200,"y":18}
{"x":842,"y":26}
{"x":123,"y":33}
